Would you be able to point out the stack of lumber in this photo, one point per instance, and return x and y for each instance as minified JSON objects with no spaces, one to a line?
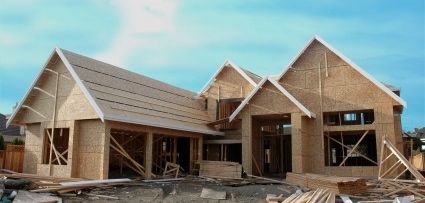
{"x":220,"y":169}
{"x":317,"y":196}
{"x":339,"y":185}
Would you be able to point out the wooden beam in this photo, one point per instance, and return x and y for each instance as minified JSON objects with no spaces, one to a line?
{"x":53,"y":123}
{"x":354,"y":148}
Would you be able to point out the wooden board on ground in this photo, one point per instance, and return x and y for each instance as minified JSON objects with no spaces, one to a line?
{"x":339,"y":185}
{"x":223,"y":169}
{"x":212,"y":194}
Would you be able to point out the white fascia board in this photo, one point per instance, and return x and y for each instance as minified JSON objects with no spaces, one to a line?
{"x":240,"y":71}
{"x":83,"y":88}
{"x":246,"y":100}
{"x":293,"y":99}
{"x":295,"y":58}
{"x":21,"y":102}
{"x":364,"y":73}
{"x":234,"y":66}
{"x":126,"y":119}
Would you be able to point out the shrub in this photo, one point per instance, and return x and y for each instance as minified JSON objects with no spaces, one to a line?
{"x":18,"y":141}
{"x":1,"y":142}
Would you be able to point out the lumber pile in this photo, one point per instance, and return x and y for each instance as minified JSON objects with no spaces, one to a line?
{"x":317,"y":196}
{"x":339,"y":185}
{"x":220,"y":169}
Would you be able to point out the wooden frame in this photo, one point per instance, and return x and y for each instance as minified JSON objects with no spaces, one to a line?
{"x":385,"y":170}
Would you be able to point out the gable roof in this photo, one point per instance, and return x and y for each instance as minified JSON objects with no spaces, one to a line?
{"x":74,"y":76}
{"x":252,"y":78}
{"x":120,"y":95}
{"x":347,"y":60}
{"x":281,"y":89}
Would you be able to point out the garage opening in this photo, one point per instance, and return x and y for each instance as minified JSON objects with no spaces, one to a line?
{"x":127,"y":153}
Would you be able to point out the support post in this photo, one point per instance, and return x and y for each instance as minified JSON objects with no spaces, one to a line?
{"x":148,"y":155}
{"x":53,"y":124}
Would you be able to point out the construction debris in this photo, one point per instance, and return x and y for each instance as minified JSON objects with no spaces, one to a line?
{"x":27,"y":197}
{"x":212,"y":194}
{"x":339,"y":185}
{"x":171,"y":169}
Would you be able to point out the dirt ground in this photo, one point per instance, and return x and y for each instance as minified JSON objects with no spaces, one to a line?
{"x":187,"y":190}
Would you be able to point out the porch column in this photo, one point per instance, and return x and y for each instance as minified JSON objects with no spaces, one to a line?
{"x":148,"y":155}
{"x":297,"y":143}
{"x":246,"y":143}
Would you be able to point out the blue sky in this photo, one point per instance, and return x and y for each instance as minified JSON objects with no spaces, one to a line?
{"x":184,"y":42}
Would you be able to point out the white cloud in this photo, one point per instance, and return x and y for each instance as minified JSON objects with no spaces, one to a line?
{"x":140,"y":18}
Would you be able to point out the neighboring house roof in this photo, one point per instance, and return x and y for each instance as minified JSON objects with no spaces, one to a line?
{"x":391,"y":87}
{"x":256,"y":78}
{"x":120,"y":95}
{"x":252,"y":78}
{"x":347,"y":60}
{"x":280,"y":88}
{"x":10,"y":130}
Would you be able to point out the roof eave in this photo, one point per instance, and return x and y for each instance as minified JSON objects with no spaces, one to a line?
{"x":160,"y":125}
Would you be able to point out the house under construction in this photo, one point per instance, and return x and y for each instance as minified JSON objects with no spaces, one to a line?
{"x":322,"y":114}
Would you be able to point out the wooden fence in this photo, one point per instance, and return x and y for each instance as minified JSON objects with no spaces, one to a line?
{"x":12,"y":158}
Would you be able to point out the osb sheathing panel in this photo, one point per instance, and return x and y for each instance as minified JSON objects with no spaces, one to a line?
{"x":71,"y":102}
{"x":231,"y":84}
{"x":91,"y":149}
{"x":33,"y":148}
{"x":269,"y":100}
{"x":56,"y":170}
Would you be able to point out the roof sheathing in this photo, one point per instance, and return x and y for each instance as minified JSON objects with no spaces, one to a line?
{"x":129,"y":97}
{"x":349,"y":62}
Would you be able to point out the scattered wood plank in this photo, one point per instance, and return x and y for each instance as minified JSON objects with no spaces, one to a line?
{"x":267,"y":179}
{"x":162,"y":180}
{"x":102,"y":196}
{"x":94,"y":182}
